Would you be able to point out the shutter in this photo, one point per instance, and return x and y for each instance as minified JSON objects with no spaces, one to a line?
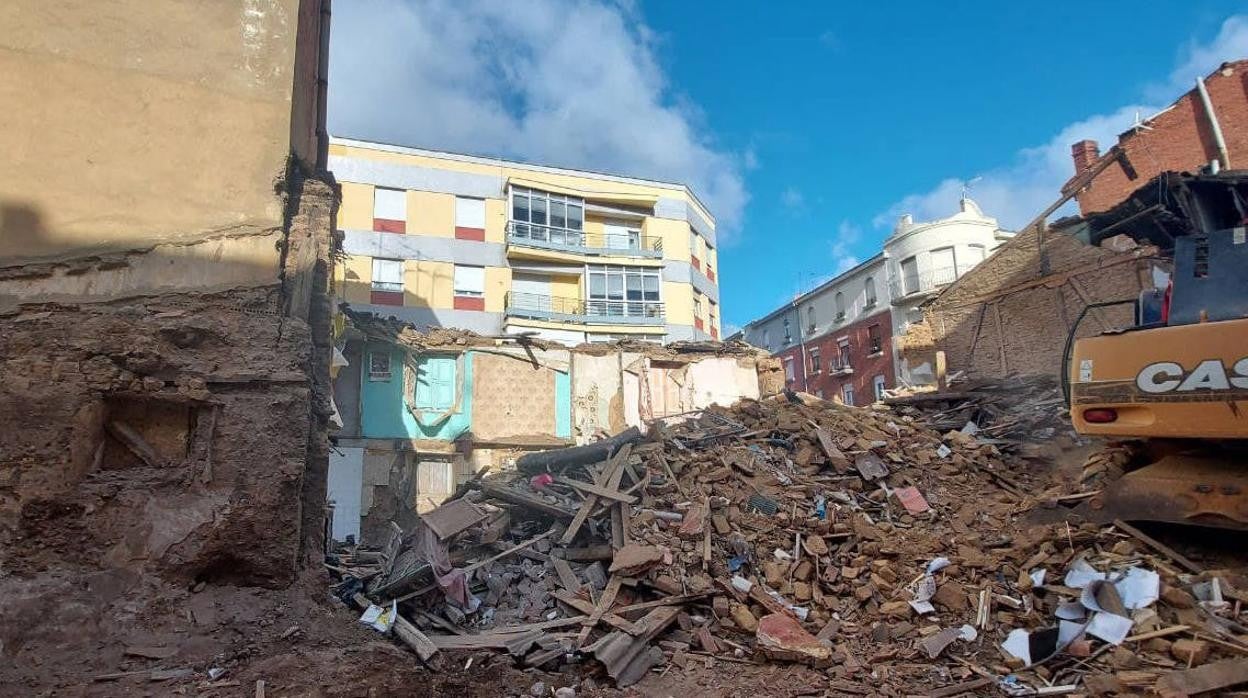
{"x":435,"y":383}
{"x":469,"y":213}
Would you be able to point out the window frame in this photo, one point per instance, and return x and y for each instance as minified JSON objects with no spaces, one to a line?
{"x":847,"y":394}
{"x":388,"y":286}
{"x":649,"y":284}
{"x":546,"y":230}
{"x":462,"y":290}
{"x":815,"y":360}
{"x":869,"y":292}
{"x":879,"y":384}
{"x":380,"y":376}
{"x":875,"y":340}
{"x":838,"y":302}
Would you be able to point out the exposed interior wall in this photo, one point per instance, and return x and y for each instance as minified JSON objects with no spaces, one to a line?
{"x":107,"y":147}
{"x":522,"y":398}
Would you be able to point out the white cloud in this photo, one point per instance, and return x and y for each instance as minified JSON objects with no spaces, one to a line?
{"x":847,"y":235}
{"x":792,"y":199}
{"x":559,"y":82}
{"x":1018,"y":191}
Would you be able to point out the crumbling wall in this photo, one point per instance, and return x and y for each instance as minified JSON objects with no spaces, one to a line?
{"x":1014,"y":311}
{"x":157,"y":442}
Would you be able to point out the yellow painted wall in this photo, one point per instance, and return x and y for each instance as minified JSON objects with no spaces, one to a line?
{"x":565,"y":286}
{"x":428,"y":284}
{"x":678,"y":301}
{"x":356,"y":279}
{"x":495,"y":220}
{"x":594,"y":227}
{"x":675,"y":236}
{"x":430,"y":213}
{"x":356,"y":210}
{"x":587,"y":185}
{"x":497,"y":284}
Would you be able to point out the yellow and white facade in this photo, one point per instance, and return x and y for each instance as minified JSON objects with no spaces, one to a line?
{"x":495,"y":246}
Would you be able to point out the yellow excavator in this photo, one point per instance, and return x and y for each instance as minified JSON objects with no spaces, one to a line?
{"x":1178,"y":381}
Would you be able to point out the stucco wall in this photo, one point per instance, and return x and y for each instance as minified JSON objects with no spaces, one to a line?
{"x":133,"y":122}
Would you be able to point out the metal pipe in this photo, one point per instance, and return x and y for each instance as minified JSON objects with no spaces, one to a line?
{"x":1213,"y":124}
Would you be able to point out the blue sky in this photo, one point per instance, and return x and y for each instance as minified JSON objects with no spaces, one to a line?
{"x":808,"y":127}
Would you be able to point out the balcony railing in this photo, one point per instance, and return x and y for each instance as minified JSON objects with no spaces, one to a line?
{"x":539,"y":307}
{"x":921,"y":282}
{"x":838,"y":366}
{"x":580,"y":242}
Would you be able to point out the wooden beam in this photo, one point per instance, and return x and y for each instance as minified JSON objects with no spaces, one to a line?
{"x":1157,"y":545}
{"x":604,"y":492}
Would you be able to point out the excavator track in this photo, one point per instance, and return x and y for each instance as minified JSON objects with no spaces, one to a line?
{"x":1195,"y":489}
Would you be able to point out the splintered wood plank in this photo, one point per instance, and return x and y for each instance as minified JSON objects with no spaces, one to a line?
{"x":608,"y":493}
{"x":585,"y":606}
{"x":617,"y":526}
{"x":611,"y":475}
{"x":567,"y":578}
{"x":605,"y":601}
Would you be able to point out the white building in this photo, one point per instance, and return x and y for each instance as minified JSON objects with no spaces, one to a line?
{"x":922,"y":258}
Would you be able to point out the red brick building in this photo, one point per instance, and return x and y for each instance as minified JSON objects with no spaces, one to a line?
{"x":1180,"y":138}
{"x":853,"y":362}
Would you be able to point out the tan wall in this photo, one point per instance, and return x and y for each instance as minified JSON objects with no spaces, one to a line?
{"x":1005,"y":317}
{"x":138,"y":121}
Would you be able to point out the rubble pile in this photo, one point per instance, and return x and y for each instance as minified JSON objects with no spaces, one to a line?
{"x":859,"y":542}
{"x":1016,"y":414}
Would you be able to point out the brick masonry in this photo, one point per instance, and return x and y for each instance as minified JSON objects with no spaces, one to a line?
{"x":1006,"y":316}
{"x":865,"y":364}
{"x":1178,"y":139}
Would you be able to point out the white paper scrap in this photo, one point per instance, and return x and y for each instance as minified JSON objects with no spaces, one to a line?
{"x":1140,"y":588}
{"x":938,"y":564}
{"x":922,"y":607}
{"x":1110,"y":628}
{"x":968,"y":633}
{"x":1071,"y":610}
{"x":1081,"y":573}
{"x":1068,"y":632}
{"x":1037,"y":577}
{"x":943,"y":451}
{"x":1018,"y":644}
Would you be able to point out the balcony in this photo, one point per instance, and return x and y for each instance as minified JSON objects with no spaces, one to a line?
{"x":839,"y":367}
{"x":583,"y":312}
{"x":924,"y":282}
{"x":545,"y":237}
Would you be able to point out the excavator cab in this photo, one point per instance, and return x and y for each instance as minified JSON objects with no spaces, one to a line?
{"x":1177,"y":381}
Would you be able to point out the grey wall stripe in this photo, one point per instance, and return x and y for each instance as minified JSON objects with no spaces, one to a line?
{"x":684,"y":273}
{"x":425,"y":247}
{"x":389,"y":174}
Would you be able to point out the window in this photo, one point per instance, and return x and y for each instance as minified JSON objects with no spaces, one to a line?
{"x":469,"y":218}
{"x":842,"y":348}
{"x":847,"y":394}
{"x":713,"y":320}
{"x":874,"y":340}
{"x":379,"y":366}
{"x":469,"y":281}
{"x":909,"y":275}
{"x":539,"y":215}
{"x":389,"y":210}
{"x":767,"y":339}
{"x":788,"y":369}
{"x":943,"y":271}
{"x":810,"y":318}
{"x":975,"y":255}
{"x":697,"y":304}
{"x":878,"y":384}
{"x":788,"y":333}
{"x":625,"y":291}
{"x":388,"y":275}
{"x":869,"y":288}
{"x":435,"y":383}
{"x":815,"y":367}
{"x":840,"y":306}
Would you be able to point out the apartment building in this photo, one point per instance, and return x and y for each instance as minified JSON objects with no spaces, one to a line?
{"x":840,"y":340}
{"x":496,"y":246}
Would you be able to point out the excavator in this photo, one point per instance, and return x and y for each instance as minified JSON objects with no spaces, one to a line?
{"x":1176,"y":382}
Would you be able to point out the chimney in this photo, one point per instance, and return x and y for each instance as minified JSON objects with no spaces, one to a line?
{"x":1084,"y":153}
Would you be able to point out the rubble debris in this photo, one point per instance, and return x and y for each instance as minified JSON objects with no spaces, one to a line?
{"x":753,"y":534}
